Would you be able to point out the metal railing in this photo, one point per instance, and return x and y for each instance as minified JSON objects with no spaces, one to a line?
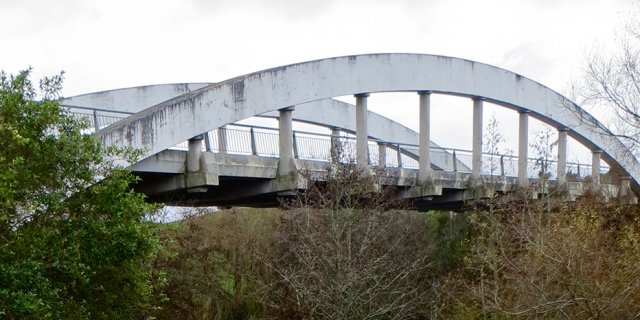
{"x":264,"y":142}
{"x":98,"y":118}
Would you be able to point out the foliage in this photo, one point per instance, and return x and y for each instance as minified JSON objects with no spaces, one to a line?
{"x":543,"y":147}
{"x":74,"y":239}
{"x":344,"y":250}
{"x":211,"y":266}
{"x":492,"y":142}
{"x":575,"y":261}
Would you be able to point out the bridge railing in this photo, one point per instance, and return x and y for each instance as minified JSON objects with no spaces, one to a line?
{"x":264,"y":141}
{"x":98,"y":118}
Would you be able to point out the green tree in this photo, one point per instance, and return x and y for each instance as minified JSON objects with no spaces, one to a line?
{"x":75,"y":240}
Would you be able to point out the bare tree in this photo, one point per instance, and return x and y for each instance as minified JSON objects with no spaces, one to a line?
{"x":610,"y":84}
{"x":493,"y":147}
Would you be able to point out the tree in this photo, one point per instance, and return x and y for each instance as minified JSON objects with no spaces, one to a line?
{"x":611,"y":83}
{"x":494,"y":139}
{"x":75,"y":241}
{"x":543,"y":146}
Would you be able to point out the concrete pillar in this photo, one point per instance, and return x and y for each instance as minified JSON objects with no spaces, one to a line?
{"x":382,"y":155}
{"x":625,"y":187}
{"x":194,"y":154}
{"x":424,"y":171}
{"x":285,"y":135}
{"x":562,"y":156}
{"x":476,"y":158}
{"x":335,"y":145}
{"x":362,"y":148}
{"x":523,"y":148}
{"x":595,"y":166}
{"x":222,"y":139}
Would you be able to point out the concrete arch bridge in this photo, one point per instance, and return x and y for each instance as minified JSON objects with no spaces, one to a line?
{"x":196,"y":152}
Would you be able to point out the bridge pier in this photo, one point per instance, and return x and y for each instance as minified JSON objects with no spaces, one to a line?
{"x":362,"y":147}
{"x":523,"y":148}
{"x":424,"y":171}
{"x":561,"y":176}
{"x":285,"y":136}
{"x":476,"y":157}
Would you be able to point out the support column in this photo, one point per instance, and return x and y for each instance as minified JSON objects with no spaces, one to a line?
{"x":382,"y":155}
{"x":335,"y":145}
{"x":362,"y":153}
{"x":476,"y":158}
{"x":424,"y":171}
{"x":595,"y":166}
{"x":523,"y":148}
{"x":222,"y":139}
{"x":194,"y":154}
{"x":562,"y":156}
{"x":285,"y":136}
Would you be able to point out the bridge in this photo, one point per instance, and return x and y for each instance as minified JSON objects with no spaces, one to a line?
{"x":196,"y":152}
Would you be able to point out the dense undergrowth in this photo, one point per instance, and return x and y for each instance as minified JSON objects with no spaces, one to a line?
{"x":347,"y":250}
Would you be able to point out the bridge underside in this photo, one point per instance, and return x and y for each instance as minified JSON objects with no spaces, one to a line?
{"x":252,"y":181}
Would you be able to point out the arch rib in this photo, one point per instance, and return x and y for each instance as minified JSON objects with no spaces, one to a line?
{"x":193,"y":113}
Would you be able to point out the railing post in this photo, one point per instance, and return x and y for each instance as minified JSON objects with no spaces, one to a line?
{"x":502,"y":165}
{"x":578,"y":165}
{"x":455,"y":162}
{"x":295,"y":146}
{"x":254,"y":150}
{"x":96,"y":125}
{"x":399,"y":157}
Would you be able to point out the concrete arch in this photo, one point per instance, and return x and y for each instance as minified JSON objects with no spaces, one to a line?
{"x":327,"y":113}
{"x":159,"y":127}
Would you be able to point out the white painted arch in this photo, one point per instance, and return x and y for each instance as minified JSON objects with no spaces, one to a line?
{"x":327,"y":113}
{"x":193,"y":113}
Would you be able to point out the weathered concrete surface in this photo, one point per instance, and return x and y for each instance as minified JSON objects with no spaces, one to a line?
{"x":133,"y":99}
{"x":194,"y":113}
{"x":252,"y":180}
{"x":328,"y":112}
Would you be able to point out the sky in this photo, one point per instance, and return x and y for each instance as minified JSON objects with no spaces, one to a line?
{"x":104,"y":45}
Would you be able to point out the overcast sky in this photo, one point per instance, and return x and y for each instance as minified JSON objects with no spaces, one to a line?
{"x":105,"y":45}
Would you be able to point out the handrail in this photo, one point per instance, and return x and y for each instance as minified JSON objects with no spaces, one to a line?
{"x":405,"y":150}
{"x":97,"y":109}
